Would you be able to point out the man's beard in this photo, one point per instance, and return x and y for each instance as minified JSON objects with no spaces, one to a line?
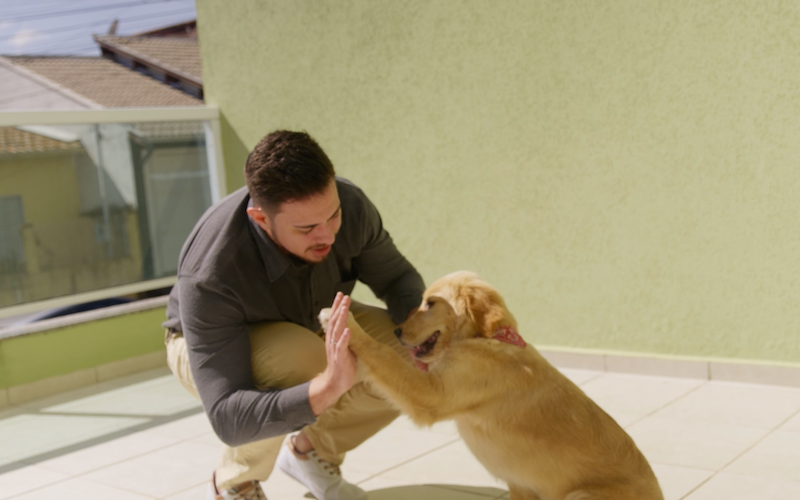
{"x":276,"y":240}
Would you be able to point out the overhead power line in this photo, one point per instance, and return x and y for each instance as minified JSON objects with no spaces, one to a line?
{"x":85,"y":10}
{"x":75,"y":27}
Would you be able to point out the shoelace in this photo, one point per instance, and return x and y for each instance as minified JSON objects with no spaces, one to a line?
{"x":332,"y":469}
{"x":250,"y":491}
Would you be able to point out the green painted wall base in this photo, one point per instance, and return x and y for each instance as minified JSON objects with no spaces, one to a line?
{"x":37,"y":356}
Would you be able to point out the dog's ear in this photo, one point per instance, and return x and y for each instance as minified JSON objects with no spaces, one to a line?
{"x":486,"y":308}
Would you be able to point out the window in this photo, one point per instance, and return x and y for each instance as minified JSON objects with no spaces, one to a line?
{"x":107,"y":202}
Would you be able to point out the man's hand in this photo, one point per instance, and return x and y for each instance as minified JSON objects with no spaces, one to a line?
{"x":340,"y":373}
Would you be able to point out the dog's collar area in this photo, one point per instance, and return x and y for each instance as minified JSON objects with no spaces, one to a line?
{"x":509,"y":335}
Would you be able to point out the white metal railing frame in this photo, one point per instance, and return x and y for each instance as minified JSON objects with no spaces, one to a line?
{"x":209,"y":115}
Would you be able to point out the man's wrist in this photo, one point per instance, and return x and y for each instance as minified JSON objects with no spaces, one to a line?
{"x":322,"y":394}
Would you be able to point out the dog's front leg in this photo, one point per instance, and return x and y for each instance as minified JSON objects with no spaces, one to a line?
{"x":416,"y":393}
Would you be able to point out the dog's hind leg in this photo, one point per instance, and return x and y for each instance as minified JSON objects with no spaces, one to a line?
{"x":518,"y":493}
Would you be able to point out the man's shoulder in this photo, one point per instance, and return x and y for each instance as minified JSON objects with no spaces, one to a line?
{"x":218,"y":235}
{"x":351,"y":196}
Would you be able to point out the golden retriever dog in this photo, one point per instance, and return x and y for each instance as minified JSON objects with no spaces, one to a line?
{"x":528,"y":424}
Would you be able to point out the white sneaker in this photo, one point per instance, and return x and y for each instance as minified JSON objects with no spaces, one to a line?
{"x":324,"y":480}
{"x":250,"y":490}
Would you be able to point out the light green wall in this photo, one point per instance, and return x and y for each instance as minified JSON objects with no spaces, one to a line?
{"x":38,"y":356}
{"x":627,"y":173}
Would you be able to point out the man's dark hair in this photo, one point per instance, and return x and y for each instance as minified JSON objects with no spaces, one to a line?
{"x":286,"y":166}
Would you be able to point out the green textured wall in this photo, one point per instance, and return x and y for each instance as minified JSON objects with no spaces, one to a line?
{"x":38,"y":356}
{"x":627,"y":173}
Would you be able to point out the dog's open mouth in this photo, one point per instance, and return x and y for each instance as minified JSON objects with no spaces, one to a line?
{"x":425,"y":347}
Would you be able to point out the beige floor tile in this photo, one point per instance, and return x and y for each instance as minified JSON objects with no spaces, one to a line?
{"x":185,"y":428}
{"x":793,"y":424}
{"x":25,"y":436}
{"x":630,"y":397}
{"x":391,"y":446}
{"x":162,"y":396}
{"x":676,"y":481}
{"x":198,"y":492}
{"x":738,"y":404}
{"x":453,"y":464}
{"x":106,"y":454}
{"x":163,"y":472}
{"x":28,"y":479}
{"x":777,"y":457}
{"x":95,"y":389}
{"x":279,"y":486}
{"x":726,"y":486}
{"x":208,"y":438}
{"x":81,"y":489}
{"x":695,"y":445}
{"x":578,"y":376}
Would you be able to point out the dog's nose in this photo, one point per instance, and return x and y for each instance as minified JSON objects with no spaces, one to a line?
{"x":398,"y":331}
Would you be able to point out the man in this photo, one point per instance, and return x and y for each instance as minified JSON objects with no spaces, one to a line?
{"x":252,"y":277}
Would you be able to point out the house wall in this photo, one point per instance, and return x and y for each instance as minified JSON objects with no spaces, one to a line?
{"x":624,"y":172}
{"x":62,"y":255}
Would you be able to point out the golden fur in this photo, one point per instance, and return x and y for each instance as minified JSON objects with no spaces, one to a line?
{"x":523,"y":420}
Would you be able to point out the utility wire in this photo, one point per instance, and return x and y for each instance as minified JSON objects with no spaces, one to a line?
{"x":97,"y":23}
{"x":87,"y":9}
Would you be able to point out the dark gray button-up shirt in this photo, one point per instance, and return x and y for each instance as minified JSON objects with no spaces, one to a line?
{"x":230,"y":274}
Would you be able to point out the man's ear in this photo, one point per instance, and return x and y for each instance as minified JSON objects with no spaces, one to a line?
{"x":260,"y":218}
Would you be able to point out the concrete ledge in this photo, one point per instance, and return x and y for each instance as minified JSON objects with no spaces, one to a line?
{"x":23,"y":393}
{"x":749,"y":371}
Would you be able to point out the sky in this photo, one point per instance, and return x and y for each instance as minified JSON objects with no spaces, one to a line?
{"x":65,"y":27}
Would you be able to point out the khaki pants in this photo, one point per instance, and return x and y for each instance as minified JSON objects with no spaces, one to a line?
{"x":285,"y":355}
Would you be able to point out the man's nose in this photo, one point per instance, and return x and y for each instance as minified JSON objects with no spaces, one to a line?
{"x":325,"y":235}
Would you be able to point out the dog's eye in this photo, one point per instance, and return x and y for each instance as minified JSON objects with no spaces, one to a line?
{"x":429,"y":304}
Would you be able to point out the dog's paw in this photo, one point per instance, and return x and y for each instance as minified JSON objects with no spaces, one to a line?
{"x":325,"y":318}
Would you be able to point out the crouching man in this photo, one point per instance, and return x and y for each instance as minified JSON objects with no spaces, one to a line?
{"x":252,"y":277}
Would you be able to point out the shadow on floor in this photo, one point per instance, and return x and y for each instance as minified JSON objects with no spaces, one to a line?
{"x":435,"y":492}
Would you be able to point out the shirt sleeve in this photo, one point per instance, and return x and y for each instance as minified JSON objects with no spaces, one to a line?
{"x":218,"y":345}
{"x":384,"y":269}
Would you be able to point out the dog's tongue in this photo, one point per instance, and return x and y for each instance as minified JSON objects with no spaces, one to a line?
{"x":419,"y":364}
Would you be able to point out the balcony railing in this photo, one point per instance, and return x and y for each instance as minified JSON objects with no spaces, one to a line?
{"x":97,"y":203}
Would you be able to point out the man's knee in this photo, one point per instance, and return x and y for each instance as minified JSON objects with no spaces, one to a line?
{"x":285,"y":354}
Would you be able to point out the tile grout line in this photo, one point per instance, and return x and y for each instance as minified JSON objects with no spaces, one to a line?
{"x":740,"y":455}
{"x":685,"y":394}
{"x":411,"y":459}
{"x":31,"y":462}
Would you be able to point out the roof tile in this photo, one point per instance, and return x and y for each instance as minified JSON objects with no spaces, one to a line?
{"x":107,"y":83}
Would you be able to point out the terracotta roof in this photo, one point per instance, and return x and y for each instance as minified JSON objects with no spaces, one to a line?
{"x":105,"y":82}
{"x":15,"y":141}
{"x":177,"y":55}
